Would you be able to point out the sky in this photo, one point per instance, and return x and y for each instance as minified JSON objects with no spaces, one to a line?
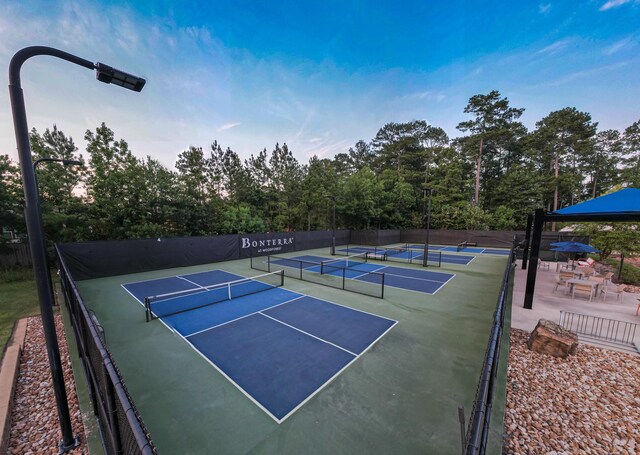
{"x":318,"y":76}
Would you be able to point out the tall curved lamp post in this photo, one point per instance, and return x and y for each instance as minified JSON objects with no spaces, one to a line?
{"x":64,"y":162}
{"x":33,"y":215}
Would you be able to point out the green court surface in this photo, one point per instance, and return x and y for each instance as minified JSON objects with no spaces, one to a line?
{"x":400,"y":397}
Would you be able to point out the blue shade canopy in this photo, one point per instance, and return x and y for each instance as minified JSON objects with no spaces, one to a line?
{"x":559,"y":244}
{"x":575,"y":247}
{"x":625,"y":201}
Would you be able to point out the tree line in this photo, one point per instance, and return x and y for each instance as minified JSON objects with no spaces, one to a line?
{"x":491,"y":177}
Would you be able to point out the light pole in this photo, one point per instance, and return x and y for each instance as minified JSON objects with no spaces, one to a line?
{"x":33,"y":216}
{"x":333,"y":227}
{"x":64,"y":162}
{"x":56,"y":160}
{"x":426,"y":234}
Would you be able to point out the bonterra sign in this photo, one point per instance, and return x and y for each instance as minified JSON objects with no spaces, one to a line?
{"x":266,"y":245}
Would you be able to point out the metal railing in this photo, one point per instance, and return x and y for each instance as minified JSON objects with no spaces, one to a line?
{"x":610,"y":330}
{"x":121,"y":427}
{"x":477,"y":432}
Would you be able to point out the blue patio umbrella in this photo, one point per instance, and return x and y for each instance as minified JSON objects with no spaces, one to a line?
{"x":573,"y":247}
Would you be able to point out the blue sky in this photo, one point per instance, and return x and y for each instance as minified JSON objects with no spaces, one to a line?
{"x":316,"y":75}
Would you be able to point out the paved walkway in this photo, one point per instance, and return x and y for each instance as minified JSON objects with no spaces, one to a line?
{"x":547,"y":303}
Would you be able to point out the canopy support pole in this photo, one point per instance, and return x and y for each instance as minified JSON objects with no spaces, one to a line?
{"x":538,"y":224}
{"x":527,"y":239}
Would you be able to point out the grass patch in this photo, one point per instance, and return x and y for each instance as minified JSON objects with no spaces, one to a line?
{"x":18,"y":299}
{"x":630,"y":273}
{"x":15,"y":274}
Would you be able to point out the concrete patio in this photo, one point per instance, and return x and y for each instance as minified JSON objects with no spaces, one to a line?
{"x":547,"y":304}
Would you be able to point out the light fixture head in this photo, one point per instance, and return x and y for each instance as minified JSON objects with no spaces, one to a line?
{"x":109,"y":75}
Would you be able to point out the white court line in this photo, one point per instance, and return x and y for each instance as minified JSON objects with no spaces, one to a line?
{"x":409,"y":277}
{"x":150,"y":279}
{"x":303,"y":402}
{"x":442,"y":283}
{"x":189,"y":281}
{"x":367,"y":272}
{"x":170,"y":276}
{"x":472,"y":259}
{"x":137,"y":300}
{"x":350,"y":308}
{"x":142,"y":303}
{"x":410,"y":290}
{"x":244,"y":392}
{"x":434,"y":292}
{"x":307,"y":333}
{"x":422,"y":279}
{"x":242,"y":317}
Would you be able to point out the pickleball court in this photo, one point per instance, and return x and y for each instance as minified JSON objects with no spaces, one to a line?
{"x":277,"y":346}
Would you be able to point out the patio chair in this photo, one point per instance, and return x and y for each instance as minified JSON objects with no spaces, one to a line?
{"x":543,"y":265}
{"x":615,"y":290}
{"x":582,"y":288}
{"x":607,"y":278}
{"x":570,"y":275}
{"x":587,"y":271}
{"x":563,"y":280}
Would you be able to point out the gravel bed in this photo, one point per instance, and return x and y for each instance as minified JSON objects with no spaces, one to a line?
{"x":586,"y":404}
{"x":35,"y":428}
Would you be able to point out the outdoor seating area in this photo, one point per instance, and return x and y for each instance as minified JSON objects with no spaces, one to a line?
{"x":586,"y":281}
{"x":571,"y":291}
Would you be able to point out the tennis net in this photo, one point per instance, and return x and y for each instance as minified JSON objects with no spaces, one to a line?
{"x":461,"y":246}
{"x":163,"y":305}
{"x":343,"y":263}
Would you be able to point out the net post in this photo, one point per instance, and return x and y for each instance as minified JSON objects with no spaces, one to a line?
{"x":344,"y":273}
{"x":382,"y":291}
{"x":269,"y":264}
{"x":147,"y":308}
{"x":300,"y":264}
{"x":282,"y":277}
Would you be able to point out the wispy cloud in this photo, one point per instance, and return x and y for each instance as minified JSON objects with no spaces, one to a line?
{"x":615,"y":3}
{"x":544,"y":8}
{"x":554,"y":47}
{"x":326,"y":148}
{"x":585,"y":73}
{"x":227,"y":126}
{"x":425,"y":95}
{"x":618,"y":45}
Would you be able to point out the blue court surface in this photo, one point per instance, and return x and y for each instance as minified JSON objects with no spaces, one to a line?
{"x":414,"y":255}
{"x":397,"y":277}
{"x":278,"y":347}
{"x":467,"y":249}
